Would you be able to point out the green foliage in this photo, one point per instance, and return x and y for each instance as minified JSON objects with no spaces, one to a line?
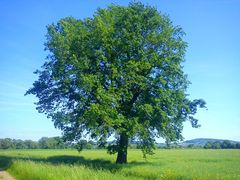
{"x":48,"y":143}
{"x":226,"y":144}
{"x":43,"y":143}
{"x":84,"y":144}
{"x":119,"y":72}
{"x":7,"y":143}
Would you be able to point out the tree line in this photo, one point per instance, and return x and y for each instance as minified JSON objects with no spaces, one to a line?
{"x":59,"y":143}
{"x":43,"y":143}
{"x":226,"y":144}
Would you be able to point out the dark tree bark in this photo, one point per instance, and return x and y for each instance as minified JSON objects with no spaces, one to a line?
{"x":122,"y":150}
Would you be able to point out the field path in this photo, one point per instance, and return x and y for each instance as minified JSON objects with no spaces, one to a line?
{"x":4,"y":175}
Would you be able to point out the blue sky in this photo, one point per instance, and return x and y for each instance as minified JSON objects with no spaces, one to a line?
{"x":212,"y":61}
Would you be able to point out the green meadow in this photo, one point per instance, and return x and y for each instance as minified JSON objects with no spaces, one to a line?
{"x":97,"y":164}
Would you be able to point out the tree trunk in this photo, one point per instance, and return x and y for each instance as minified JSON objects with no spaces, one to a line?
{"x":122,"y":150}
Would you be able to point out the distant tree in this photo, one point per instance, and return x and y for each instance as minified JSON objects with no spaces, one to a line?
{"x":7,"y":143}
{"x":90,"y":145}
{"x":60,"y":144}
{"x":43,"y":143}
{"x":91,"y":142}
{"x":119,"y":72}
{"x":81,"y":144}
{"x":226,"y":144}
{"x":190,"y":146}
{"x":233,"y":145}
{"x":53,"y":143}
{"x":29,"y":144}
{"x":216,"y":145}
{"x":208,"y":145}
{"x":237,"y":145}
{"x":48,"y":143}
{"x":19,"y":144}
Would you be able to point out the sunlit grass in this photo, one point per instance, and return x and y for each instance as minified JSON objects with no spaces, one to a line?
{"x":97,"y":164}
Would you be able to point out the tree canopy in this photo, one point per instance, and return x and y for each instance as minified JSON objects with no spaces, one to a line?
{"x":117,"y":73}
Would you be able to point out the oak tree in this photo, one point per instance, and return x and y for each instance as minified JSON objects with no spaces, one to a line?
{"x":117,"y":73}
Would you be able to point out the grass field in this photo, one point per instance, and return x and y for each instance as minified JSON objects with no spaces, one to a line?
{"x":97,"y":164}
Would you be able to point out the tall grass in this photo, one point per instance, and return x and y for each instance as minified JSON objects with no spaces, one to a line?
{"x":96,"y":164}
